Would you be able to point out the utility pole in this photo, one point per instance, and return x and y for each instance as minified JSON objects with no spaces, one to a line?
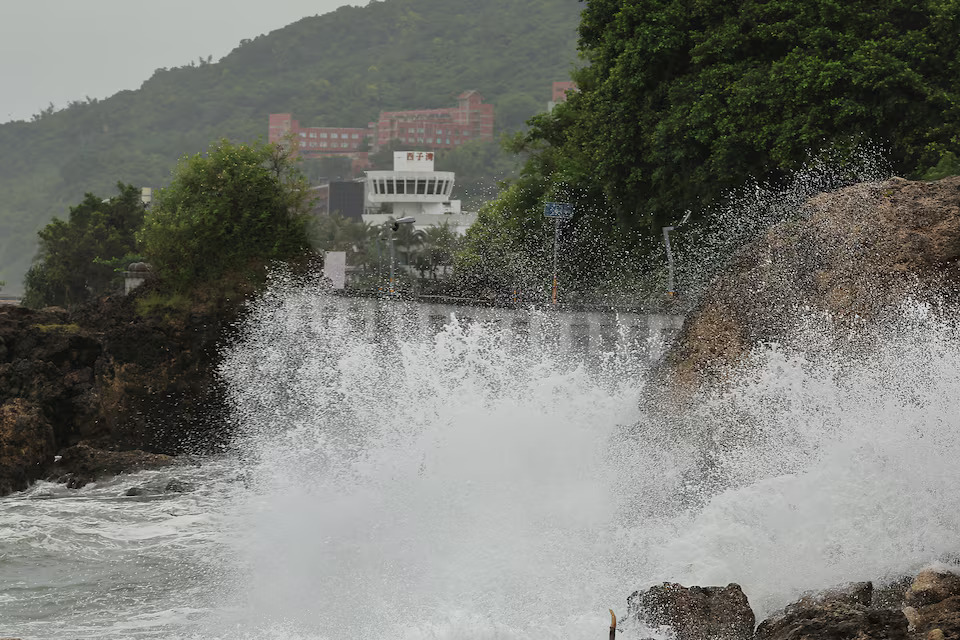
{"x":393,"y":226}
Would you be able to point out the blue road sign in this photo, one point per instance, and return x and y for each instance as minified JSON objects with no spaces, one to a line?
{"x":558,"y":210}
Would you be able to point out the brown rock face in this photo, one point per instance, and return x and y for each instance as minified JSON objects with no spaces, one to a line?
{"x":695,"y":613}
{"x":934,"y":600}
{"x":859,"y":251}
{"x":26,"y":444}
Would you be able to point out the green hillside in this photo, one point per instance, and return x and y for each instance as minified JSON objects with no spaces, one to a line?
{"x":339,"y":69}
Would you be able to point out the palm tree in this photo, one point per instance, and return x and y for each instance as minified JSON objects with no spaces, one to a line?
{"x":440,"y":243}
{"x":408,"y":241}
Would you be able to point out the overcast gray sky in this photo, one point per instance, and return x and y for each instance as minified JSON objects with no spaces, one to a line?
{"x":62,"y":50}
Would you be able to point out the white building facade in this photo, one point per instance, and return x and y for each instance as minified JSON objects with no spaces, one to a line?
{"x":414,"y":189}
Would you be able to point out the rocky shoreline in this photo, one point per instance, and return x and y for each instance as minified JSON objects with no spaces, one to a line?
{"x":925,"y":607}
{"x":105,"y":388}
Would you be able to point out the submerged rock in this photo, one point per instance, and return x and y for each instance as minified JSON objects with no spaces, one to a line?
{"x":695,"y":613}
{"x":81,"y":463}
{"x":175,"y":485}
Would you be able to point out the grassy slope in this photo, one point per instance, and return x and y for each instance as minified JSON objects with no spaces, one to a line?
{"x":340,"y":69}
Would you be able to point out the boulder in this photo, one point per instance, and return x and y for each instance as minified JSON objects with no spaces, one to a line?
{"x":854,"y":254}
{"x":695,"y":613}
{"x":933,"y":604}
{"x":931,"y":587}
{"x":841,"y":613}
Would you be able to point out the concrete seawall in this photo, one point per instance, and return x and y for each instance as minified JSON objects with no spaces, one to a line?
{"x":569,"y":331}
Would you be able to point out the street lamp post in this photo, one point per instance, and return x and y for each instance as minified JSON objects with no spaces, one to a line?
{"x":666,"y":242}
{"x":393,"y":226}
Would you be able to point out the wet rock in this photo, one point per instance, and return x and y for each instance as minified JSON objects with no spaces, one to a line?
{"x":890,"y":594}
{"x":26,"y":444}
{"x":841,"y":613}
{"x":81,"y":463}
{"x":695,"y":613}
{"x":135,"y":491}
{"x":931,"y":587}
{"x":854,"y":593}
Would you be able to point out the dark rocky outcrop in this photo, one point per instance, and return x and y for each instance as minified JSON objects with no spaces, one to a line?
{"x":858,"y":252}
{"x":695,"y":613}
{"x":842,"y":613}
{"x":110,"y":375}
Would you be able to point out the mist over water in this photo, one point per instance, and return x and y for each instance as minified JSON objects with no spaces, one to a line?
{"x":471,"y":485}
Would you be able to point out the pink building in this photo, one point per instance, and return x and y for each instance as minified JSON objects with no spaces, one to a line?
{"x":319,"y":141}
{"x":445,"y":128}
{"x":561,"y":89}
{"x":439,"y":128}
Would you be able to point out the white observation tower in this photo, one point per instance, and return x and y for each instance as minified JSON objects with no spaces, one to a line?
{"x":414,"y":189}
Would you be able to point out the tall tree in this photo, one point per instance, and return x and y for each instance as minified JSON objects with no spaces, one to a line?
{"x":234,"y":208}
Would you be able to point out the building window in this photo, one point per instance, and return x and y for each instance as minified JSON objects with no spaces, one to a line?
{"x":344,"y":145}
{"x":431,"y":186}
{"x":323,"y":135}
{"x":302,"y":143}
{"x":323,"y":144}
{"x":448,"y":140}
{"x":430,"y":140}
{"x":376,"y":187}
{"x":411,"y":187}
{"x":313,"y":134}
{"x":400,"y":187}
{"x":303,"y":135}
{"x":355,"y":136}
{"x":390,"y":186}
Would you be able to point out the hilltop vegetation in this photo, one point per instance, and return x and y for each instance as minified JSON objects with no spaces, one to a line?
{"x":339,"y":69}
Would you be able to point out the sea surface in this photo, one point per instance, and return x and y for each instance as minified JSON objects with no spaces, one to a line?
{"x":467,"y":485}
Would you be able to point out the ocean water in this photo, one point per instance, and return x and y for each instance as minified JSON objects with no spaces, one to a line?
{"x":467,"y":484}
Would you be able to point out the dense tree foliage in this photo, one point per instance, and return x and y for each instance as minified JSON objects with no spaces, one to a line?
{"x":79,"y":257}
{"x":682,"y":102}
{"x":338,"y":69}
{"x":233,"y":208}
{"x":685,"y":100}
